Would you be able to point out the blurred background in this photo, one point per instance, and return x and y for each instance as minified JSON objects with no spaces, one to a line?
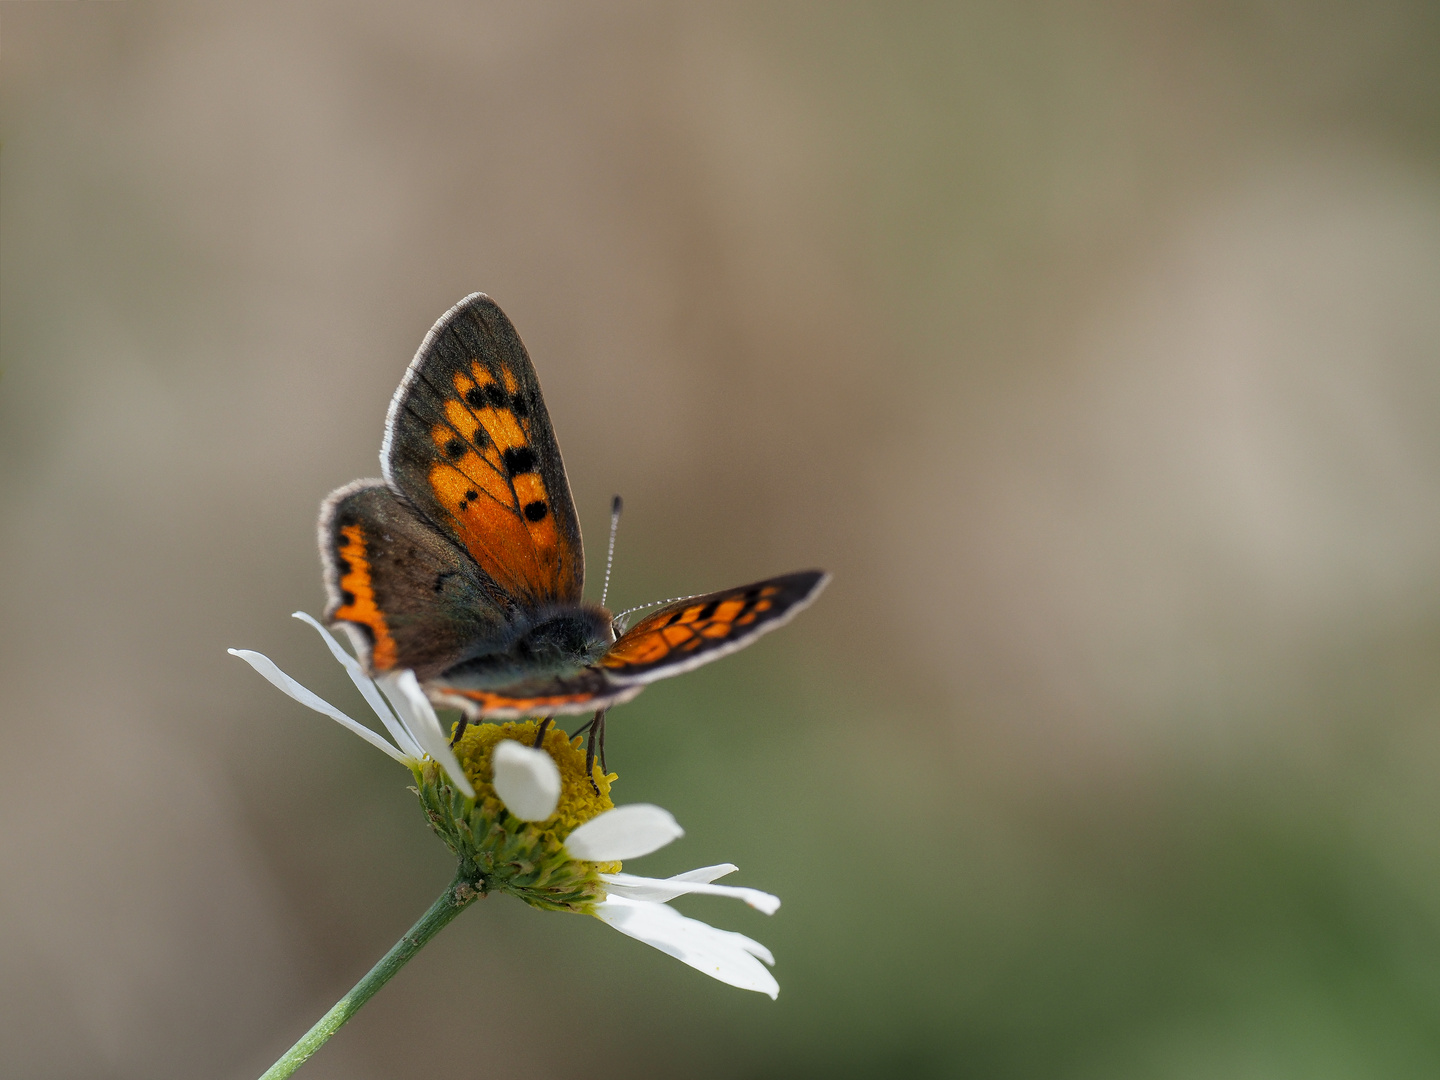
{"x":1094,"y":347}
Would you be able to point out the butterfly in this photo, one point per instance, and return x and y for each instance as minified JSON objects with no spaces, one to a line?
{"x":464,"y":562}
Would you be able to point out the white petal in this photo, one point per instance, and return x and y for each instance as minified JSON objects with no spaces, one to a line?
{"x":367,"y":688}
{"x":266,"y":667}
{"x":707,"y":873}
{"x":526,"y":780}
{"x":626,"y":832}
{"x":418,"y":716}
{"x":721,"y":954}
{"x":659,"y":890}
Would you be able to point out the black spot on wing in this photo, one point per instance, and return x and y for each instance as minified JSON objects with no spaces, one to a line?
{"x":536,"y":510}
{"x":519,"y":459}
{"x":490,"y":395}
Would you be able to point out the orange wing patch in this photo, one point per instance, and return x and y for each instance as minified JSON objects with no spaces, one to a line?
{"x":709,"y":620}
{"x":491,"y":702}
{"x":578,"y":693}
{"x":487,"y":477}
{"x":357,"y":596}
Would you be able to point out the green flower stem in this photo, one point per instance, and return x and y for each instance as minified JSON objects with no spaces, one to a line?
{"x":461,"y":894}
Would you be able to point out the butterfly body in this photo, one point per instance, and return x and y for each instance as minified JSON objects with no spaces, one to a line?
{"x":464,"y":562}
{"x":554,"y":642}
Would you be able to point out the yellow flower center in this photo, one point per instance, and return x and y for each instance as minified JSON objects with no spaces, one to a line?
{"x":579,"y":800}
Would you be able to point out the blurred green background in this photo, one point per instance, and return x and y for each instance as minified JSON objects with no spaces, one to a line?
{"x":1095,"y":347}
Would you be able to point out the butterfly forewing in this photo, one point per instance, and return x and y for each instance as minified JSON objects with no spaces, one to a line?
{"x":704,"y":628}
{"x":469,"y":443}
{"x":412,"y":598}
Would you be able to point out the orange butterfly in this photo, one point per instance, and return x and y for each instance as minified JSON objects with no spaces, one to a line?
{"x":464,"y":563}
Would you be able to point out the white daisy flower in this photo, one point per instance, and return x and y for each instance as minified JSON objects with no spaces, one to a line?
{"x":527,"y":820}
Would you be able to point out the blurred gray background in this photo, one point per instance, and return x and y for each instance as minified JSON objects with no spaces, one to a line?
{"x":1095,"y":347}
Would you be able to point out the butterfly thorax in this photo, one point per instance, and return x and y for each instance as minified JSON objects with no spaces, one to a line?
{"x":552,"y":641}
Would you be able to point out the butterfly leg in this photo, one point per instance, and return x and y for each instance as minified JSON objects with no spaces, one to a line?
{"x":597,"y":737}
{"x":583,"y":728}
{"x":460,"y":726}
{"x":540,"y":735}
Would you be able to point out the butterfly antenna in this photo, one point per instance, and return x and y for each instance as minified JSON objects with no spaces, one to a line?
{"x":616,"y":505}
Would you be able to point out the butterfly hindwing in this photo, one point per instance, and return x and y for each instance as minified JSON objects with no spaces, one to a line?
{"x":468,"y":441}
{"x":704,"y":628}
{"x":410,"y":598}
{"x":584,"y":691}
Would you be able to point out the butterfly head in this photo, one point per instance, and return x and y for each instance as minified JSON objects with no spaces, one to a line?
{"x":552,"y":640}
{"x":566,"y":636}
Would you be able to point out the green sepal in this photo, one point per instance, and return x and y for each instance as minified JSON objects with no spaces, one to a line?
{"x":503,"y":853}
